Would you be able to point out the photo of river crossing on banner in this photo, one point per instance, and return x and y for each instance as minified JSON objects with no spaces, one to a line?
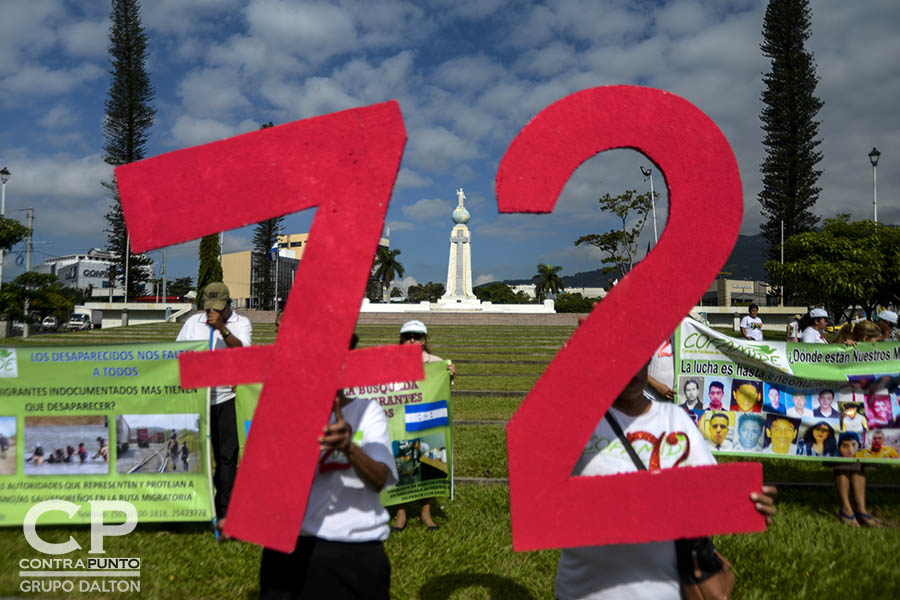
{"x":790,"y":400}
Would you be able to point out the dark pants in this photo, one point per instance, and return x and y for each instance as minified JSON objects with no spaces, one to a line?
{"x":321,"y":569}
{"x":223,"y":429}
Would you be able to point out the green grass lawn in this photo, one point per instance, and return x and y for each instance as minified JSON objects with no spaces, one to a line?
{"x":806,"y":554}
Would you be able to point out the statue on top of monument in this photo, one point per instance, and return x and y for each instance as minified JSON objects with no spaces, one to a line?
{"x":460,"y":215}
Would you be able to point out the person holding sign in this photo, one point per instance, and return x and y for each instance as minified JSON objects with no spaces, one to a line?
{"x":340,"y":551}
{"x":415,"y":332}
{"x":223,"y":328}
{"x":812,"y":326}
{"x":646,"y":570}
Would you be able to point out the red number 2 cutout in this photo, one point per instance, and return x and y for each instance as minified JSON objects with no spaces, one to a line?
{"x":551,"y":509}
{"x":345,"y":164}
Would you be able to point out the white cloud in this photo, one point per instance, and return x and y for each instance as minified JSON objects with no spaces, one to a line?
{"x":407,"y":178}
{"x":404,"y":283}
{"x":428,"y":209}
{"x":38,"y":80}
{"x":58,"y":117}
{"x":396,"y":226}
{"x":486,"y":278}
{"x":86,"y":38}
{"x":212,"y":91}
{"x":433,"y":148}
{"x":191,"y":131}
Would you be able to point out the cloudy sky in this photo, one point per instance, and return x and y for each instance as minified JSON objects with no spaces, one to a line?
{"x":468,"y":75}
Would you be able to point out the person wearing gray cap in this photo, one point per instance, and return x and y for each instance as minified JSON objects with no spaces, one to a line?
{"x":887,"y":320}
{"x":223,"y":328}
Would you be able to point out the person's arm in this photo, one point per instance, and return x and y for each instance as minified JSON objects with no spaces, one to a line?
{"x":339,"y":436}
{"x":660,"y":388}
{"x":214,"y":319}
{"x":764,"y":502}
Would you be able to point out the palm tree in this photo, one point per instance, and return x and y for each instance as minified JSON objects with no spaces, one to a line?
{"x":546,"y":281}
{"x":386,"y":268}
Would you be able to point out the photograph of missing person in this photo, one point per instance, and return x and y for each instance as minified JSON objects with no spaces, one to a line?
{"x":775,"y":400}
{"x":67,"y":445}
{"x":879,"y":411}
{"x":717,"y":395}
{"x":717,"y":427}
{"x":880,"y":443}
{"x":690,"y":395}
{"x":824,"y":405}
{"x":853,"y":417}
{"x":746,"y":395}
{"x":750,"y":428}
{"x":817,"y":438}
{"x":800,"y":405}
{"x":166,"y":443}
{"x":7,"y":445}
{"x":782,"y":433}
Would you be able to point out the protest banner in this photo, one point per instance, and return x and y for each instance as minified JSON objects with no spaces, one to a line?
{"x":789,"y":400}
{"x":419,"y":424}
{"x":82,"y":423}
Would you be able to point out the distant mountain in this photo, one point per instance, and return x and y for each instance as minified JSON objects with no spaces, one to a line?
{"x":747,"y":261}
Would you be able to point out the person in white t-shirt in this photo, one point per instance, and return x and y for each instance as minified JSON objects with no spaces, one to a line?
{"x":793,"y":329}
{"x":812,"y":326}
{"x":340,"y":551}
{"x":751,"y":324}
{"x":646,"y":570}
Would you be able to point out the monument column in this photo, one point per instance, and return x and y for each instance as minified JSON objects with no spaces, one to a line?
{"x":459,"y":264}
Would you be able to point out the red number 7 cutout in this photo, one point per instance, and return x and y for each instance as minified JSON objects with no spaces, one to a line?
{"x":551,"y":509}
{"x":345,"y":164}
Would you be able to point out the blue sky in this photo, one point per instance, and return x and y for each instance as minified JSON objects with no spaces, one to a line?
{"x":468,"y":75}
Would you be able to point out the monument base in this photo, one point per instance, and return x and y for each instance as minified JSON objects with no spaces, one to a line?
{"x":476,"y":306}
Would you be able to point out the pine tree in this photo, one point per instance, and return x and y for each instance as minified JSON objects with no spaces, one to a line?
{"x":788,"y":120}
{"x":129,"y":116}
{"x":210,"y":267}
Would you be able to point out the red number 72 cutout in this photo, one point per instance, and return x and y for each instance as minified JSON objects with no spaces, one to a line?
{"x":345,"y":164}
{"x":551,"y":509}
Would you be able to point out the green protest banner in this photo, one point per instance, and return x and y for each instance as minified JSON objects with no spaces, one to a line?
{"x":790,"y":400}
{"x":419,"y":418}
{"x":82,"y":423}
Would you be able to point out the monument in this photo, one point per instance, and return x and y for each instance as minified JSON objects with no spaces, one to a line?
{"x":459,"y":266}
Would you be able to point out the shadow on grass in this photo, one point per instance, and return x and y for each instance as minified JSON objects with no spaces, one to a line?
{"x":440,"y":588}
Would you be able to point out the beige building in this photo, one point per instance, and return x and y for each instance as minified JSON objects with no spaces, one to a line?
{"x":241,"y":278}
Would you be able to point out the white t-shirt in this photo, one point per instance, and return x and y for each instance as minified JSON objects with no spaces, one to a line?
{"x":630,"y":571}
{"x":794,"y":329}
{"x":753,"y":326}
{"x":342,"y":507}
{"x":195,"y":329}
{"x":811,"y":335}
{"x":793,"y":412}
{"x":662,"y":369}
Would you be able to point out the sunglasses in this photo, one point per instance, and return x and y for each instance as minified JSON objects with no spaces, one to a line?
{"x":412,"y":335}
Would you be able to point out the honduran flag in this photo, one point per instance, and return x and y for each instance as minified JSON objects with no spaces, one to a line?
{"x":427,"y":415}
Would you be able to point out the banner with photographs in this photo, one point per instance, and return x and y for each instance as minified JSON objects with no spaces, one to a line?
{"x":81,"y":423}
{"x":790,"y":400}
{"x":419,"y":422}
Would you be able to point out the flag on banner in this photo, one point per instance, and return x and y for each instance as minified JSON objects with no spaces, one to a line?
{"x":427,"y":415}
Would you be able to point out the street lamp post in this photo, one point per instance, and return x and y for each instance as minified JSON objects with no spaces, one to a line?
{"x":874,"y":155}
{"x":4,"y":177}
{"x":649,"y":173}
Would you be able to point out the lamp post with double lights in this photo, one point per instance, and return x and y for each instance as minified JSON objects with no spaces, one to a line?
{"x":874,"y":155}
{"x":649,"y":173}
{"x":4,"y":177}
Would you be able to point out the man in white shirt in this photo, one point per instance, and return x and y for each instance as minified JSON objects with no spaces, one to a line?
{"x":223,"y":328}
{"x":751,"y":324}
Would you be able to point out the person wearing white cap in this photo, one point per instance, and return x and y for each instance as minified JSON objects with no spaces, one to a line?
{"x":415,"y":332}
{"x":887,"y":320}
{"x":816,"y":322}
